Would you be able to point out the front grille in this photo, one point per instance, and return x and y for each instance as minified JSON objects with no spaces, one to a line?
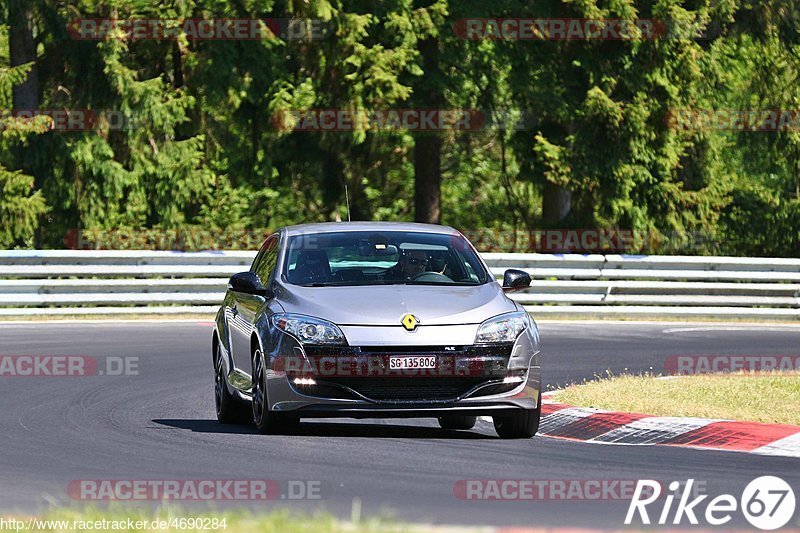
{"x":408,"y":388}
{"x":365,"y":370}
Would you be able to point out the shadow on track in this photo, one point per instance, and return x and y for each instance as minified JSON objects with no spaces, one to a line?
{"x":329,"y":429}
{"x":205,"y":426}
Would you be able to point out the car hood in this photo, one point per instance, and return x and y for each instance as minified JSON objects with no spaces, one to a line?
{"x":385,"y":305}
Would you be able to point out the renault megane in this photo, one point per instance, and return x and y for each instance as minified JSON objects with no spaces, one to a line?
{"x":375,"y":319}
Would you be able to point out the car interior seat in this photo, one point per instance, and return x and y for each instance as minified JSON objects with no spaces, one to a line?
{"x":312,"y":267}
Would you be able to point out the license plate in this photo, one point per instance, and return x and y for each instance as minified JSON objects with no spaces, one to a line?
{"x":402,"y":363}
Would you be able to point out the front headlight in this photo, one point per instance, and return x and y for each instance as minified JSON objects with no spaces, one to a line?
{"x":309,"y":330}
{"x":503,"y":328}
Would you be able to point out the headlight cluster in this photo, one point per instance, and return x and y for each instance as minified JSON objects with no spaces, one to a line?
{"x":502,"y":329}
{"x":309,"y":330}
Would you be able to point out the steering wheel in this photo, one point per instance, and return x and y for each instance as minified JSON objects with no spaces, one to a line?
{"x":431,"y":276}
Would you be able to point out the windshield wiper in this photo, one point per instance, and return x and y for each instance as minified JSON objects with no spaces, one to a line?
{"x":357,"y":283}
{"x":341,"y":283}
{"x":443,"y":283}
{"x":385,"y":282}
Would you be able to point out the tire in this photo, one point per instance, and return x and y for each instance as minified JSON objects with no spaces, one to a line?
{"x":521,"y":425}
{"x":457,"y":421}
{"x":229,"y":409}
{"x":267,"y":422}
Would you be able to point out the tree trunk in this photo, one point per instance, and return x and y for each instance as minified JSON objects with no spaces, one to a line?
{"x":428,"y":145}
{"x":428,"y":178}
{"x":556,"y":203}
{"x":177,"y":67}
{"x":22,"y":49}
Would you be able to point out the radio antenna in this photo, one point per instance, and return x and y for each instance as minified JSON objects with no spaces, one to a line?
{"x":347,"y":198}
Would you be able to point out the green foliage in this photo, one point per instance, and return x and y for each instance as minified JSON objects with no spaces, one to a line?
{"x":20,"y":205}
{"x":190,"y":133}
{"x":19,"y":208}
{"x":762,"y":221}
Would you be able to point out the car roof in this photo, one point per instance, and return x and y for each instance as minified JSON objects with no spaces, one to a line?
{"x":331,"y":227}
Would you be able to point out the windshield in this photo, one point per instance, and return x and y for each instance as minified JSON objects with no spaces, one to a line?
{"x":384,"y":258}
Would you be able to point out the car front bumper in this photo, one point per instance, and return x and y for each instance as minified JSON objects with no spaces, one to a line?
{"x":473,"y":380}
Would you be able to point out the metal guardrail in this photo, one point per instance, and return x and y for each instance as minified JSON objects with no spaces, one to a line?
{"x":61,"y":282}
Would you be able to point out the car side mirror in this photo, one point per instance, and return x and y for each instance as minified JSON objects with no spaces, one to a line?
{"x":515,"y":280}
{"x":248,"y":283}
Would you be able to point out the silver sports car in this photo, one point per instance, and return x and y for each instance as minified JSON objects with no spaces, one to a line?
{"x":375,"y":320}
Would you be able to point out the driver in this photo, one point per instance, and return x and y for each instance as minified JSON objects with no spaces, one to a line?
{"x":411,"y":263}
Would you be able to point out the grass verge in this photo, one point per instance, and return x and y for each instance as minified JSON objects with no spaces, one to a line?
{"x":754,"y":397}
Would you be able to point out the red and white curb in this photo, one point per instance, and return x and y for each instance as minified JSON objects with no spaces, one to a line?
{"x":608,"y":427}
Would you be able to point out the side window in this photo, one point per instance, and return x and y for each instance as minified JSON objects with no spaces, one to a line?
{"x":258,"y":258}
{"x":267,"y":260}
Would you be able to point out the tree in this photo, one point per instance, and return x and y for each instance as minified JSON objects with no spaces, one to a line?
{"x":23,"y":52}
{"x":20,"y":205}
{"x":602,"y":153}
{"x":189,"y":134}
{"x":429,"y":93}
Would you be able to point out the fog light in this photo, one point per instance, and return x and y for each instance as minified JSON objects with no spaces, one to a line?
{"x":304,"y":381}
{"x":514,"y":379}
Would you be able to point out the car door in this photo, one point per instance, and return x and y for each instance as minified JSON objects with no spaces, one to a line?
{"x":245,"y":307}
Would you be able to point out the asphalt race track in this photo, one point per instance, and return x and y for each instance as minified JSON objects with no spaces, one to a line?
{"x":160,"y":424}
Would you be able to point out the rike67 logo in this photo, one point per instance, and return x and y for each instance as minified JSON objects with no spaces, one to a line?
{"x":767,"y":502}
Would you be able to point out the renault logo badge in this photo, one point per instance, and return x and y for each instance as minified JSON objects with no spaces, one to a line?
{"x":410,"y":322}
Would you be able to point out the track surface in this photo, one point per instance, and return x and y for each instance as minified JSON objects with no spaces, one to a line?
{"x":160,"y":425}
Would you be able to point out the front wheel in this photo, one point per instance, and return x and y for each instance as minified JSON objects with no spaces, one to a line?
{"x":229,"y":409}
{"x":521,"y":425}
{"x":267,"y":422}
